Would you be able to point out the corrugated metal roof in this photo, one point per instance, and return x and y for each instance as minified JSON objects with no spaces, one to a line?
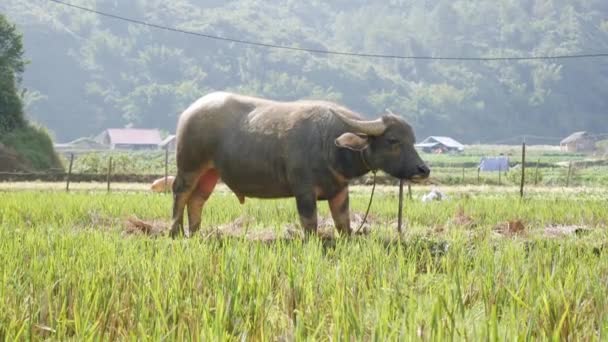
{"x":446,"y":141}
{"x":423,"y":145}
{"x":134,"y":136}
{"x":574,"y":137}
{"x":167,"y":140}
{"x":82,"y":143}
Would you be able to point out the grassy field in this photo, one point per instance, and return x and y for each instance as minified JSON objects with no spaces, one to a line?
{"x":71,"y":269}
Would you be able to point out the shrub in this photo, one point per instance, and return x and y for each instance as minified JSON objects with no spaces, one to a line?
{"x":514,"y":175}
{"x":34,"y":145}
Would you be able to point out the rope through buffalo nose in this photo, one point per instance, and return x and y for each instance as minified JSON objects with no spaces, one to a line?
{"x":369,"y":205}
{"x":371,"y":197}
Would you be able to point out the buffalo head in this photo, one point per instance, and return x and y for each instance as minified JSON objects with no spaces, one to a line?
{"x":386,"y":144}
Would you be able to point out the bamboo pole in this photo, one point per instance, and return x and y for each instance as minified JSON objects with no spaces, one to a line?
{"x":536,"y":172}
{"x":523,"y":169}
{"x":67,"y":184}
{"x":463,"y":175}
{"x":569,"y":174}
{"x":400,"y":211}
{"x":109,"y":172}
{"x":499,"y":175}
{"x":166,"y":167}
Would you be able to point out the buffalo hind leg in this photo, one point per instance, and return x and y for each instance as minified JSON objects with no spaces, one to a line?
{"x":203,"y":189}
{"x":307,"y":209}
{"x":183,"y":185}
{"x":338,"y":205}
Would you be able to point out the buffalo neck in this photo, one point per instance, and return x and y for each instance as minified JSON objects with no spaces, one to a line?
{"x":350,"y":164}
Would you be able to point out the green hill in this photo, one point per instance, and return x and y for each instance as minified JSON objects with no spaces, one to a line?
{"x":95,"y":72}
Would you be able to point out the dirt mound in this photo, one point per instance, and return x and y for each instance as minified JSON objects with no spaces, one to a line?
{"x":135,"y":226}
{"x":10,"y":161}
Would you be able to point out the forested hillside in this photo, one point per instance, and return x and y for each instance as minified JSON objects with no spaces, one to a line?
{"x":88,"y":72}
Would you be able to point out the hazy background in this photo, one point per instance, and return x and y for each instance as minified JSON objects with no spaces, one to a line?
{"x":88,"y":73}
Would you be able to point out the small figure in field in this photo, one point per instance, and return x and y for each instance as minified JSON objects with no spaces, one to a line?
{"x":309,"y":150}
{"x":160,"y":185}
{"x":434,"y":195}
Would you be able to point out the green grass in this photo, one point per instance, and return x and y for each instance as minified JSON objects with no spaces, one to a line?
{"x":69,"y":272}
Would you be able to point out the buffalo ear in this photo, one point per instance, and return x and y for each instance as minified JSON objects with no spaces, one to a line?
{"x":352,"y":141}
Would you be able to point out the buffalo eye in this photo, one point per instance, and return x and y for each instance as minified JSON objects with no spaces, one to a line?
{"x":393,"y":141}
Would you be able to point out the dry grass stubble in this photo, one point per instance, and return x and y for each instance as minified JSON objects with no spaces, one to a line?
{"x":244,"y":227}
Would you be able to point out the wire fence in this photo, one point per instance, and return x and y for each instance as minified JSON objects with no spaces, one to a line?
{"x":106,"y":173}
{"x":118,"y":167}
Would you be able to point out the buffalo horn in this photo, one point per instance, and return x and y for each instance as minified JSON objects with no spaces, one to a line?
{"x":371,"y":127}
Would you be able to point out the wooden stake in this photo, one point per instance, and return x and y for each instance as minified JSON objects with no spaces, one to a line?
{"x":463,"y":175}
{"x":569,"y":173}
{"x":67,"y":184}
{"x":478,"y":176}
{"x":536,"y":173}
{"x":400,"y":211}
{"x":109,"y":172}
{"x":499,"y":175}
{"x":166,"y":166}
{"x":523,"y":169}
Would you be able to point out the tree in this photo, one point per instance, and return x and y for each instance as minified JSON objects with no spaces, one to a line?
{"x":32,"y":144}
{"x":11,"y":66}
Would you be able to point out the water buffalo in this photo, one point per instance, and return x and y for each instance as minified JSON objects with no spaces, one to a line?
{"x":268,"y":149}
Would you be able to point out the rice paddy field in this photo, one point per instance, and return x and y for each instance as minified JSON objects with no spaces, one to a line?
{"x":481,"y":265}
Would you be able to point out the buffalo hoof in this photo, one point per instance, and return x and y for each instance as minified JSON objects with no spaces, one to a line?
{"x":175,"y":232}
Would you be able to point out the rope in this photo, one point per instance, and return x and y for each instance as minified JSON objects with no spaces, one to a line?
{"x":369,"y":205}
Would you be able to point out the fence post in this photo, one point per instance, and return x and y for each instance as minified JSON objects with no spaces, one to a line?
{"x":478,"y":178}
{"x":536,"y":173}
{"x":67,"y":184}
{"x":166,"y":166}
{"x":569,"y":172}
{"x":523,"y":169}
{"x":400,"y":212}
{"x":109,"y":172}
{"x":463,"y":174}
{"x":499,"y":174}
{"x":409,"y":190}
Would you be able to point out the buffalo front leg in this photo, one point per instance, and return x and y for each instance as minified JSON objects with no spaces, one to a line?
{"x":307,"y":209}
{"x":338,"y":205}
{"x":203,"y":189}
{"x":183,"y":185}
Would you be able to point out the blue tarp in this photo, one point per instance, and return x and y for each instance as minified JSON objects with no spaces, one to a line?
{"x":494,"y":164}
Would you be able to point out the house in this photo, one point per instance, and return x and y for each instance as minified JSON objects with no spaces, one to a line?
{"x":578,"y":142}
{"x":435,"y":144}
{"x":169,"y":143}
{"x":80,"y":145}
{"x":493,"y":164}
{"x":130,"y":138}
